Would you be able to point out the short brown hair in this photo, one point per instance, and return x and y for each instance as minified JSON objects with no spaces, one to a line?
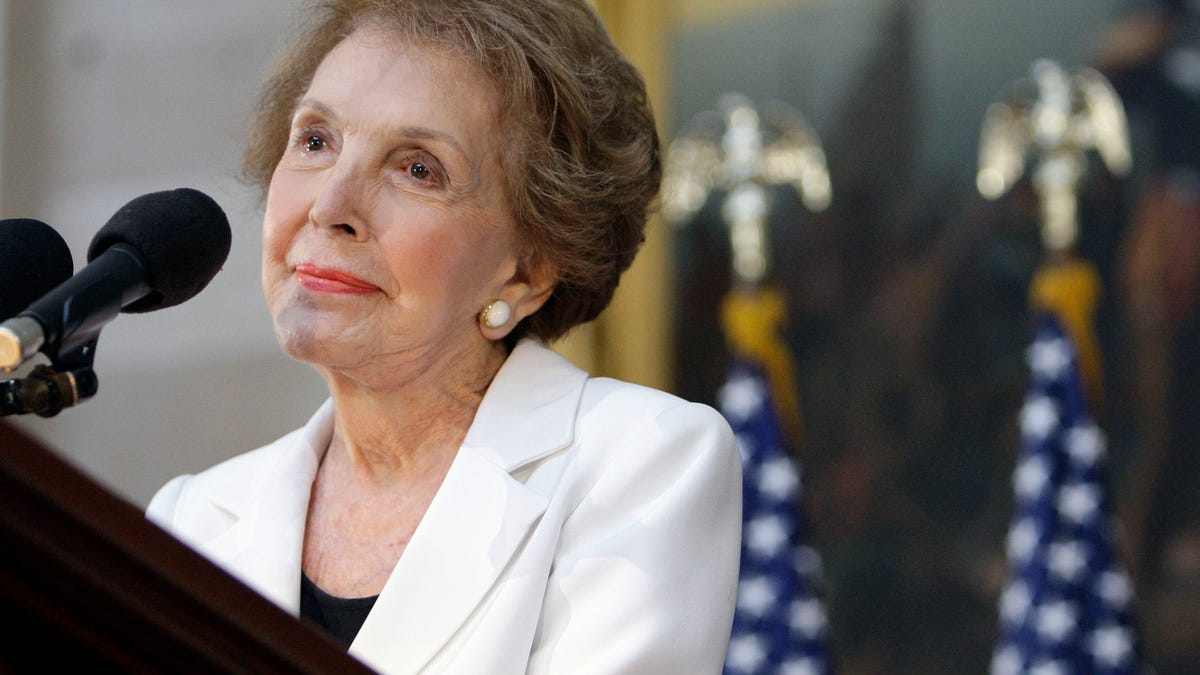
{"x":586,"y":162}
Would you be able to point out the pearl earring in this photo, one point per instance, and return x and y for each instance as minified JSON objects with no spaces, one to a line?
{"x":496,"y":314}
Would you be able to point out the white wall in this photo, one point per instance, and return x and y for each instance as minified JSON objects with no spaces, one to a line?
{"x":106,"y":101}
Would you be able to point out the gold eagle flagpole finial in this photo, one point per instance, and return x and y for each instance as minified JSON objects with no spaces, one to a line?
{"x":743,"y":153}
{"x":1058,"y":117}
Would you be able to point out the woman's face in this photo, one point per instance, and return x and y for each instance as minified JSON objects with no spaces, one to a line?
{"x":387,"y":228}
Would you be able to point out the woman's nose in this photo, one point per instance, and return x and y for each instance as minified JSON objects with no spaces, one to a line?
{"x":338,"y":206}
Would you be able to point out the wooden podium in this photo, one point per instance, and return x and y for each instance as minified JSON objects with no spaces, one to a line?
{"x":88,"y":585}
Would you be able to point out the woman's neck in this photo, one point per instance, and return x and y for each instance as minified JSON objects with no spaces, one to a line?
{"x":401,"y":429}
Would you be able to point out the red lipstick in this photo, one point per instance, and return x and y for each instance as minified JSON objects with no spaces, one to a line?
{"x":325,"y":280}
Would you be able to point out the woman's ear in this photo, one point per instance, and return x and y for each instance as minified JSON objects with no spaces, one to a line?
{"x":530,"y":286}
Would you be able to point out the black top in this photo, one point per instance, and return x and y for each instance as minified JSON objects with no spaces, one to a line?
{"x":340,"y":617}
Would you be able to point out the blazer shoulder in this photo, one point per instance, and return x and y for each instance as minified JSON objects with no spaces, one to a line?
{"x":617,"y":399}
{"x":620,"y":421}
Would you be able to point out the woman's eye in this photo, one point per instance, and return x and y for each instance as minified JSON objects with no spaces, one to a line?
{"x":313,"y":143}
{"x":425,"y":170}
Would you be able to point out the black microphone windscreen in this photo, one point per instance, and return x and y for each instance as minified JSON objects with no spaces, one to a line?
{"x":183,"y":237}
{"x":33,"y":260}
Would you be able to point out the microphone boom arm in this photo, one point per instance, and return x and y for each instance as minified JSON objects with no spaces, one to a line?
{"x":65,"y":323}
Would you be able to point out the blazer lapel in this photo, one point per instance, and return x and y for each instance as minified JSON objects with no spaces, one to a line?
{"x":263,"y":548}
{"x":479,"y":518}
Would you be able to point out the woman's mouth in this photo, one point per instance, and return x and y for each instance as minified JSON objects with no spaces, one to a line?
{"x":325,"y":280}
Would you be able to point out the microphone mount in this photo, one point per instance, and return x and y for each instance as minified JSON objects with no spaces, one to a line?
{"x":46,"y":391}
{"x":67,"y":381}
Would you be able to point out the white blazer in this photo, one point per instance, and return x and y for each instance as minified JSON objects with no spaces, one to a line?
{"x":585,"y":526}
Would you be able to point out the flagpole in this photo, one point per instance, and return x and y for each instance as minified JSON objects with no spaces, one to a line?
{"x":1067,"y":604}
{"x":780,"y":623}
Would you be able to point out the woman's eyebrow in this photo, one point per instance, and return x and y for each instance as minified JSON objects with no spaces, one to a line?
{"x":420,"y":132}
{"x":317,"y":106}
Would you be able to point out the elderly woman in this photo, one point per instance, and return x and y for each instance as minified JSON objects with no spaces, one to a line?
{"x":449,"y":185}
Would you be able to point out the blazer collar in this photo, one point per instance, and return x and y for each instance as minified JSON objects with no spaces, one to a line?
{"x":529,"y":409}
{"x":476,"y":522}
{"x":480,"y":516}
{"x":264,"y":547}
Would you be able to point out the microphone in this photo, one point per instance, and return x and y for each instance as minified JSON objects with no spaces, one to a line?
{"x":156,"y":251}
{"x":33,"y":260}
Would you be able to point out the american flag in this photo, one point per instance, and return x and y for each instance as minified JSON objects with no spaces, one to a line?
{"x":1066,"y":607}
{"x":779,"y":625}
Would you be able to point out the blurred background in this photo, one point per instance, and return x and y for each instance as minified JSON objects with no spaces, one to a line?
{"x":908,"y":314}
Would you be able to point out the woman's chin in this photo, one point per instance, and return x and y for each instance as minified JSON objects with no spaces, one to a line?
{"x":311,"y":346}
{"x":305,"y":334}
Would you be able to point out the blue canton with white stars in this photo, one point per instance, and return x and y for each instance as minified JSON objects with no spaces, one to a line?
{"x":779,"y":625}
{"x":1066,"y":607}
